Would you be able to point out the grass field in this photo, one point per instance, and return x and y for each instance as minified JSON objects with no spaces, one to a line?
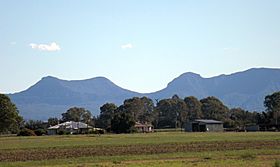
{"x":153,"y":149}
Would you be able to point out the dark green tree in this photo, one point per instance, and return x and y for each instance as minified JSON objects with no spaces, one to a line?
{"x":10,"y":119}
{"x":106,"y":115}
{"x":53,"y":121}
{"x":193,"y":106}
{"x":263,"y":118}
{"x":241,"y":118}
{"x":122,"y":122}
{"x":166,"y":115}
{"x":147,"y":110}
{"x":141,"y":109}
{"x":213,"y":108}
{"x":171,"y":112}
{"x":181,"y":112}
{"x":272,"y":104}
{"x":175,"y":97}
{"x":77,"y":114}
{"x":35,"y":124}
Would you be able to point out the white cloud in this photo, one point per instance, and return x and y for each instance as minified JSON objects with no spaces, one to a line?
{"x":127,"y":46}
{"x":46,"y":47}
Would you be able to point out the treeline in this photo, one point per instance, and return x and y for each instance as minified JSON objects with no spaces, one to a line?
{"x":173,"y":112}
{"x":170,"y":113}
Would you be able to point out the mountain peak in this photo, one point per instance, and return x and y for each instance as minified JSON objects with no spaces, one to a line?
{"x":101,"y":78}
{"x":184,"y":79}
{"x":190,"y":74}
{"x":49,"y":78}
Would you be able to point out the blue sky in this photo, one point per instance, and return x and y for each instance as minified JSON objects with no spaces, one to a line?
{"x":139,"y":45}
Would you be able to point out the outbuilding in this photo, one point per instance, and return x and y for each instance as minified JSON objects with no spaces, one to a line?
{"x":204,"y":125}
{"x":144,"y":127}
{"x":70,"y":127}
{"x":252,"y":128}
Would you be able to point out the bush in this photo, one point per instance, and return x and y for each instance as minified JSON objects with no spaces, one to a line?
{"x":277,"y":163}
{"x":40,"y":132}
{"x":26,"y":132}
{"x":97,"y":131}
{"x":62,"y":132}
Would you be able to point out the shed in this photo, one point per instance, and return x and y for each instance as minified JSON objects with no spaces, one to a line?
{"x":204,"y":125}
{"x":144,"y":127}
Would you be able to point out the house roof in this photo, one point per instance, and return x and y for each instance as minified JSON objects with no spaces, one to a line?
{"x":71,"y":125}
{"x":208,"y":121}
{"x":138,"y":124}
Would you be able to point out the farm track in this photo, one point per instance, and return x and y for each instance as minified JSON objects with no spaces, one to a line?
{"x":12,"y":155}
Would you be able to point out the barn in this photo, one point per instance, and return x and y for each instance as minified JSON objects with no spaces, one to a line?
{"x":204,"y":125}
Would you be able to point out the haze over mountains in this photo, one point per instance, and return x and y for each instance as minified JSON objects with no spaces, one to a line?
{"x":52,"y":96}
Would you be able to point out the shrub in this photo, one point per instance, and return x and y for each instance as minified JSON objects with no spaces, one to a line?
{"x":276,"y":163}
{"x":26,"y":132}
{"x":40,"y":132}
{"x":61,"y":132}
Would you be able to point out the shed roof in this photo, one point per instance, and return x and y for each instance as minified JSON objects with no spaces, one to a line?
{"x":71,"y":125}
{"x":138,"y":124}
{"x":208,"y":121}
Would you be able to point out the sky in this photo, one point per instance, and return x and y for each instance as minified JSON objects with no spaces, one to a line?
{"x":139,"y":45}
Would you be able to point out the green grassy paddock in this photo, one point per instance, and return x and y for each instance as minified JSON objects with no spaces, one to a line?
{"x":246,"y":157}
{"x":131,"y":139}
{"x":264,"y":157}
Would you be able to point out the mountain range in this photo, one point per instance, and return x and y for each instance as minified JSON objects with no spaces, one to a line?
{"x":52,"y":96}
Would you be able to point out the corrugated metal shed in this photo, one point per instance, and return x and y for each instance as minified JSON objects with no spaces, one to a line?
{"x":204,"y":125}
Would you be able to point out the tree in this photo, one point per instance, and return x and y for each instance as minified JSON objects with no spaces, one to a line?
{"x":272,"y":104}
{"x":9,"y":117}
{"x":141,"y":109}
{"x":213,"y":108}
{"x":262,"y":118}
{"x":193,"y":106}
{"x":241,"y":117}
{"x":53,"y":121}
{"x":181,"y":112}
{"x":26,"y":132}
{"x":119,"y":119}
{"x":147,"y":110}
{"x":35,"y":124}
{"x":172,"y":112}
{"x":166,"y":115}
{"x":106,"y":115}
{"x":77,"y":114}
{"x":175,"y":97}
{"x":122,"y":122}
